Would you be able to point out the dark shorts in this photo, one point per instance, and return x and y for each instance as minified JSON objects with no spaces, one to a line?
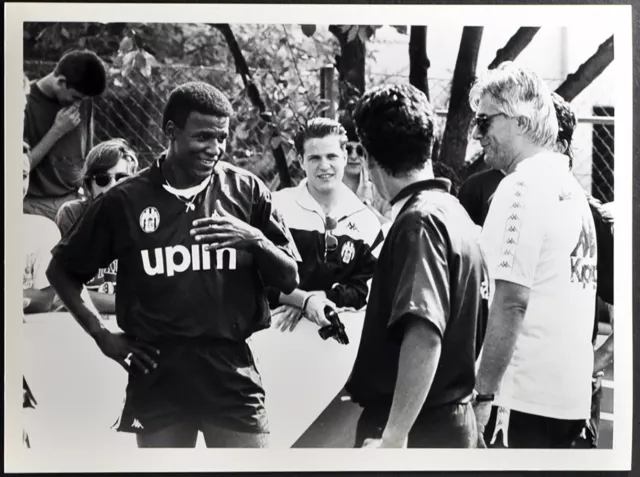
{"x":450,"y":426}
{"x":528,"y":431}
{"x":197,"y":381}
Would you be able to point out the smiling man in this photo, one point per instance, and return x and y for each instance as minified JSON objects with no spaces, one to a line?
{"x":58,"y":127}
{"x":540,"y":243}
{"x":333,"y":230}
{"x":197,"y":240}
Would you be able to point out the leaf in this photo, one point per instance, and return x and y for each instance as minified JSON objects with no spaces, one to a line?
{"x":353,"y":32}
{"x":308,"y":30}
{"x":402,"y":29}
{"x":241,"y":132}
{"x":43,"y":34}
{"x":64,"y":32}
{"x":126,"y":45}
{"x":362,"y":34}
{"x":128,"y":63}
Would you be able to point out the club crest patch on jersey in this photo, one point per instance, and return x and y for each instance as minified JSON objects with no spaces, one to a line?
{"x":347,"y":252}
{"x":149,"y":220}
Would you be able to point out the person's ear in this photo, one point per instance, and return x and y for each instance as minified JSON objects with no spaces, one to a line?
{"x":170,"y":130}
{"x":61,"y":81}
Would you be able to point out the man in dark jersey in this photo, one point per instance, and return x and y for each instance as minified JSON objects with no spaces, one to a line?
{"x":58,"y":127}
{"x":197,"y":241}
{"x":414,"y":373}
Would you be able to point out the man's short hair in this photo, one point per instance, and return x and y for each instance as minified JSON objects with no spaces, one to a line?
{"x":195,"y":96}
{"x":317,"y":128}
{"x":519,"y":93}
{"x":84,"y":71}
{"x":396,"y":125}
{"x":566,"y":123}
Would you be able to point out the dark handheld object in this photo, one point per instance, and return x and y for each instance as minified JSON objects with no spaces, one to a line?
{"x":335,"y":329}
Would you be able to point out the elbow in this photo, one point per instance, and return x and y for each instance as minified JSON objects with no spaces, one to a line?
{"x":290,"y":280}
{"x":52,"y":273}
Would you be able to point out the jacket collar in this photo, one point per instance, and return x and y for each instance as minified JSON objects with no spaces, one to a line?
{"x":347,"y":204}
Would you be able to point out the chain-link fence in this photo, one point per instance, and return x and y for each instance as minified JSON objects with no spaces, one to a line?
{"x":593,"y":140}
{"x":131,"y":108}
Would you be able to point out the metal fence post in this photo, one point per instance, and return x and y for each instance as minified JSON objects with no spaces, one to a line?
{"x":326,"y":91}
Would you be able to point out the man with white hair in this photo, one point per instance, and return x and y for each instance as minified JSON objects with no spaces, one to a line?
{"x":540,"y":244}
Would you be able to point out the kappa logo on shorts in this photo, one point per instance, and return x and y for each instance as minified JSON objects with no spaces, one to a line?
{"x":136,"y":424}
{"x":149,"y":220}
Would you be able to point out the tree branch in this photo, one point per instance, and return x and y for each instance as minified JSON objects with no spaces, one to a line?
{"x":516,"y":44}
{"x":256,"y":99}
{"x":587,"y":72}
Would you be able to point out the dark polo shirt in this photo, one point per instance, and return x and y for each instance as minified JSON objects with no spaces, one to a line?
{"x":431,"y":268}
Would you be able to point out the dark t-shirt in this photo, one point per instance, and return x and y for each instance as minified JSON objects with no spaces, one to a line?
{"x":59,"y":172}
{"x":70,"y":212}
{"x":168,"y":286}
{"x":476,"y":193}
{"x":431,"y":268}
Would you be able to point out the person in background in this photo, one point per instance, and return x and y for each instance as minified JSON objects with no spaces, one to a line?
{"x":107,"y":164}
{"x":58,"y":127}
{"x":333,"y":230}
{"x":414,"y":372}
{"x":38,"y":236}
{"x":540,"y":243}
{"x":356,"y":176}
{"x":477,"y":191}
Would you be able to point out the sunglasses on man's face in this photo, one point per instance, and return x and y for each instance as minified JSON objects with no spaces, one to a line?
{"x":330,"y":240}
{"x":483,"y":122}
{"x":357,"y":148}
{"x":103,"y":180}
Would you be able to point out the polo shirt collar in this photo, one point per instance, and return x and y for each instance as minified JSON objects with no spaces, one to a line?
{"x":402,"y":197}
{"x":545,"y":160}
{"x":347,"y":204}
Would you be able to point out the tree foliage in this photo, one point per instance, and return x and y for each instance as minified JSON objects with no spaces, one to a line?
{"x":146,"y":61}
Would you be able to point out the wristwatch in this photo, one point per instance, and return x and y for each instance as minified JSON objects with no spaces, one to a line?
{"x":477,"y":397}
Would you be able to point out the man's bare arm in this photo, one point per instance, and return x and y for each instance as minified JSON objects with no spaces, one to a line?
{"x":75,"y":297}
{"x":66,"y":120}
{"x":506,"y":316}
{"x":419,"y":357}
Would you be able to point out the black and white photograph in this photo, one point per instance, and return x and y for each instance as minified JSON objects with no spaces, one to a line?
{"x":284,"y":237}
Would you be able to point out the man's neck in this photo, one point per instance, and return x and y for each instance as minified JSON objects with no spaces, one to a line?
{"x":525,"y":153}
{"x":352,"y":181}
{"x":396,"y":184}
{"x":176,"y":175}
{"x":328,"y":201}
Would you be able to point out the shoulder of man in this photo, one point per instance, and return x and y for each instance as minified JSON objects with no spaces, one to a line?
{"x":242,"y":177}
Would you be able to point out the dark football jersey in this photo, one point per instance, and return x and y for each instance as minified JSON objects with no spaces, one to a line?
{"x":431,"y":268}
{"x":168,"y":285}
